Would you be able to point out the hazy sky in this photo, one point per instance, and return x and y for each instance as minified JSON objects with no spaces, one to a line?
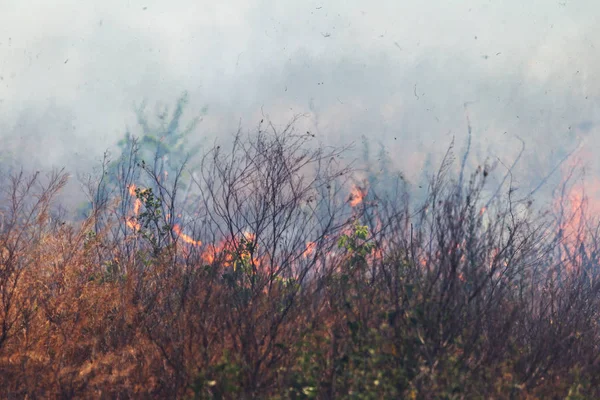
{"x":397,"y":72}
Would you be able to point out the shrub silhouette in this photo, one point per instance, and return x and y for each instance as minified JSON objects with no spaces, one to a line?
{"x":266,"y":280}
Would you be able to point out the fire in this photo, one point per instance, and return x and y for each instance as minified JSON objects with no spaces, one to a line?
{"x":377,"y":254}
{"x":226,"y":250}
{"x":577,"y":201}
{"x":582,"y":201}
{"x":186,"y":238}
{"x":211,"y":252}
{"x":310,"y":249}
{"x":243,"y":246}
{"x":132,"y":222}
{"x":357,"y":195}
{"x":208,"y":256}
{"x":249,"y":237}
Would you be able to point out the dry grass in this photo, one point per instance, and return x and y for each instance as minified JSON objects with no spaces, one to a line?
{"x":451,"y":301}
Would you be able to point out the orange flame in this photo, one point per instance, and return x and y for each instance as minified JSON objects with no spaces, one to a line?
{"x":208,"y":255}
{"x":310,"y":249}
{"x":576,"y":199}
{"x":377,"y":254}
{"x":249,"y":236}
{"x":224,"y":252}
{"x":186,"y":238}
{"x":132,"y":223}
{"x":357,"y":195}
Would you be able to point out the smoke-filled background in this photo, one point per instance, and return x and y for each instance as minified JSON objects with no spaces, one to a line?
{"x":405,"y":75}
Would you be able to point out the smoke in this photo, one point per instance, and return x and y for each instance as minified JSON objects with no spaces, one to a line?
{"x":397,"y":73}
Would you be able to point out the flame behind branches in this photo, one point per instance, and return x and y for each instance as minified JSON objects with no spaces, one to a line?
{"x":135,"y":225}
{"x":582,"y":199}
{"x":577,"y":207}
{"x":357,"y":195}
{"x":227,"y":250}
{"x":186,"y":238}
{"x":310,"y":249}
{"x":132,"y":221}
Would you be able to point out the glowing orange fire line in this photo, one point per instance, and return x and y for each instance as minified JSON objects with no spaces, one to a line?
{"x":226,"y":250}
{"x":186,"y":238}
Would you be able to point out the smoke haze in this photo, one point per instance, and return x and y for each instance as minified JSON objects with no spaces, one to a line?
{"x":398,"y":73}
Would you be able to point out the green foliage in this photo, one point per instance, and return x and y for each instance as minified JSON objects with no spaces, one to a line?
{"x":161,"y":148}
{"x":165,"y":140}
{"x":356,"y":243}
{"x":222,"y":381}
{"x":151,"y":214}
{"x":150,"y":220}
{"x":305,"y":378}
{"x":242,"y":274}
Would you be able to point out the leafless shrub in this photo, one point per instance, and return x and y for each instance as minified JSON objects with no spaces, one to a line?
{"x":257,"y":275}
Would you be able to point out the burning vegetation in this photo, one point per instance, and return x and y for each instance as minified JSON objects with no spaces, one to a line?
{"x":266,"y":274}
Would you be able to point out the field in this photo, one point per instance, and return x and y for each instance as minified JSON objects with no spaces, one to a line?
{"x":274,"y":270}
